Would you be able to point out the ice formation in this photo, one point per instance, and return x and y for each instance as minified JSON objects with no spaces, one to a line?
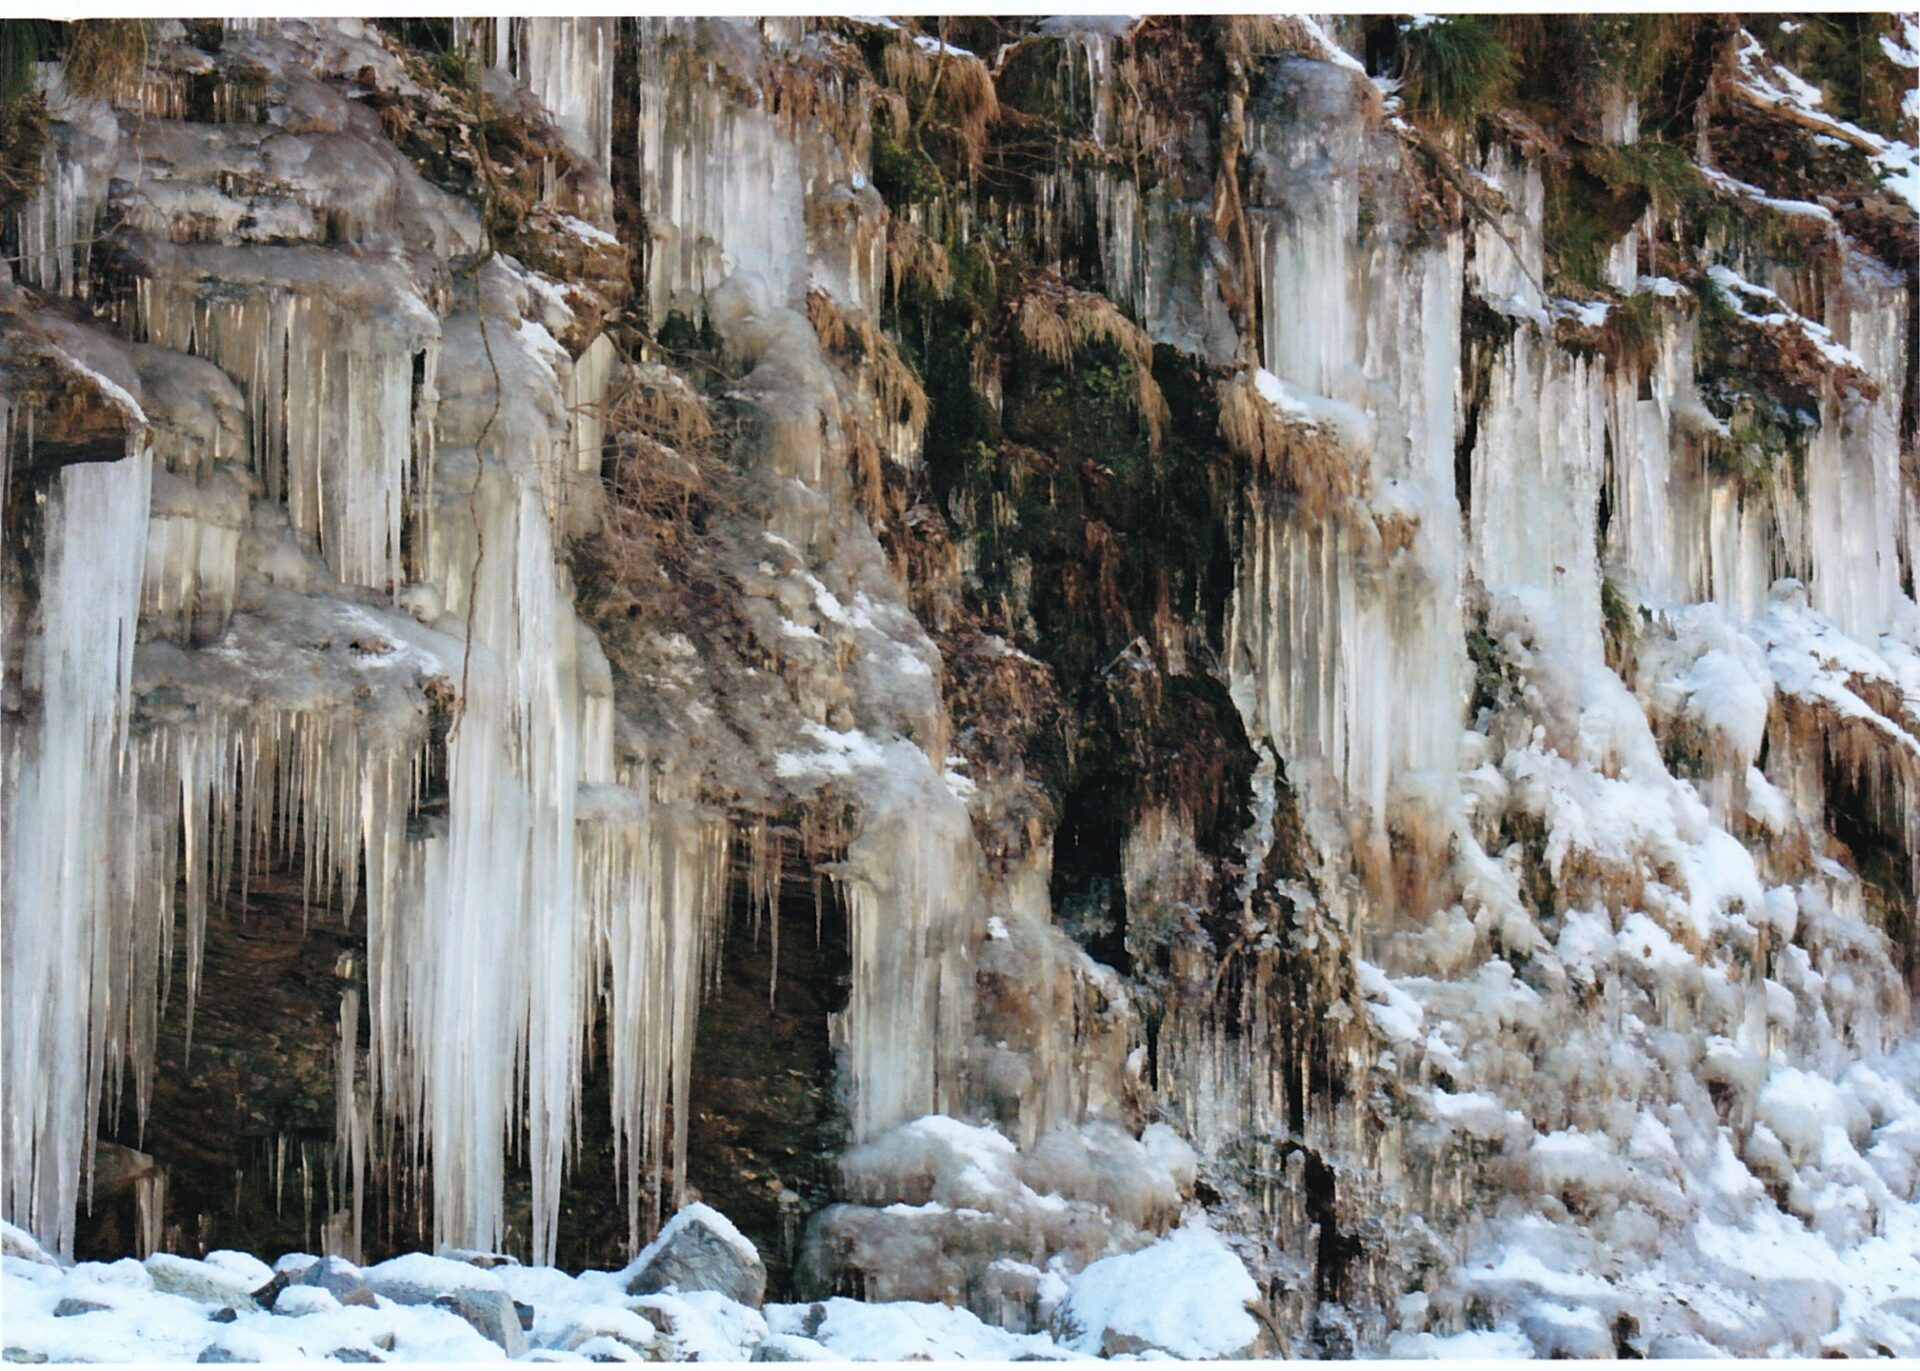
{"x":1522,"y":954}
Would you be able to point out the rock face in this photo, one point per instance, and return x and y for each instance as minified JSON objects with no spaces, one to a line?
{"x":700,"y":1249}
{"x":1026,"y":652}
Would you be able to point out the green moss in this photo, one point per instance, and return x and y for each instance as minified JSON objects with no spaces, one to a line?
{"x":1493,"y":675}
{"x":1660,"y":173}
{"x":1631,"y":334}
{"x":1841,"y":54}
{"x":1620,"y":621}
{"x":1770,"y":419}
{"x":902,"y":175}
{"x":1577,"y":240}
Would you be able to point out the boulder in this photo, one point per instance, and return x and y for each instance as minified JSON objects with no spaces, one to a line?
{"x":791,"y":1347}
{"x":475,"y":1295}
{"x":700,"y":1249}
{"x":20,"y":1244}
{"x":70,"y":1306}
{"x":340,"y":1279}
{"x":492,"y":1315}
{"x":200,"y":1281}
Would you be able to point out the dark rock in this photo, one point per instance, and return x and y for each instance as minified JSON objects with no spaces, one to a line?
{"x":70,"y":1306}
{"x":20,"y":1354}
{"x":340,"y":1279}
{"x":525,"y":1311}
{"x":214,"y":1352}
{"x":383,"y":1341}
{"x":700,"y":1249}
{"x":357,"y":1354}
{"x":268,"y":1293}
{"x":227,"y":1315}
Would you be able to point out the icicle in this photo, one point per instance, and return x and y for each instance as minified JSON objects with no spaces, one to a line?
{"x":56,"y":227}
{"x":58,"y":974}
{"x":331,"y":391}
{"x":654,"y":879}
{"x":723,"y":186}
{"x":568,"y":64}
{"x":349,"y":1124}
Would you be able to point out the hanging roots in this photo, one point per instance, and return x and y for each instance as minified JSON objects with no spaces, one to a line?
{"x":1301,"y":458}
{"x":664,"y":464}
{"x":1053,"y":321}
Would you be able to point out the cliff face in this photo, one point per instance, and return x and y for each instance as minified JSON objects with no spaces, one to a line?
{"x":973,"y":641}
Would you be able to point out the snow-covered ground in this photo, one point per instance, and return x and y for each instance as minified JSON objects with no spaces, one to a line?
{"x":1183,"y":1296}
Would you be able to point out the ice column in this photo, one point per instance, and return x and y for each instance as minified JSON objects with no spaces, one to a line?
{"x":912,"y":909}
{"x":722,"y":184}
{"x":58,"y":840}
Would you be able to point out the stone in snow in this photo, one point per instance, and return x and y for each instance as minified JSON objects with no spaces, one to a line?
{"x":17,"y":1242}
{"x":700,"y":1249}
{"x":341,"y":1279}
{"x":475,"y":1295}
{"x":199,"y":1280}
{"x":71,"y":1306}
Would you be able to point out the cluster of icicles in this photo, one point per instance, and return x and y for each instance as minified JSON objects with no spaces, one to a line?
{"x":491,"y":933}
{"x":560,"y":877}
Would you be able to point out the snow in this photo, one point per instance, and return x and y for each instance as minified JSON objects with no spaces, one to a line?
{"x":1186,"y":1295}
{"x":1747,"y":191}
{"x":1774,"y":84}
{"x":1330,"y":51}
{"x":1739,"y":289}
{"x":903,"y":1331}
{"x":928,"y":43}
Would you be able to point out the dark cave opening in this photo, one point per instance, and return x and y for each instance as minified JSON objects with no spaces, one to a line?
{"x":766,"y":1120}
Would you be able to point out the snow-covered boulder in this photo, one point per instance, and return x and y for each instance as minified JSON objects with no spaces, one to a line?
{"x":202,"y":1281}
{"x":20,"y":1244}
{"x":1186,"y":1295}
{"x":339,"y":1278}
{"x":475,"y":1295}
{"x":700,"y":1249}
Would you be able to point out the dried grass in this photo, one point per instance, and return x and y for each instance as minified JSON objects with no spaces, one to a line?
{"x":1302,"y":459}
{"x":894,"y":402}
{"x":664,"y":474}
{"x":957,"y":84}
{"x":1053,"y":322}
{"x":915,"y":258}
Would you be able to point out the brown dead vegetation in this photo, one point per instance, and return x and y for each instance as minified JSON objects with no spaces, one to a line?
{"x":1052,"y":322}
{"x":664,"y":478}
{"x":1302,"y":459}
